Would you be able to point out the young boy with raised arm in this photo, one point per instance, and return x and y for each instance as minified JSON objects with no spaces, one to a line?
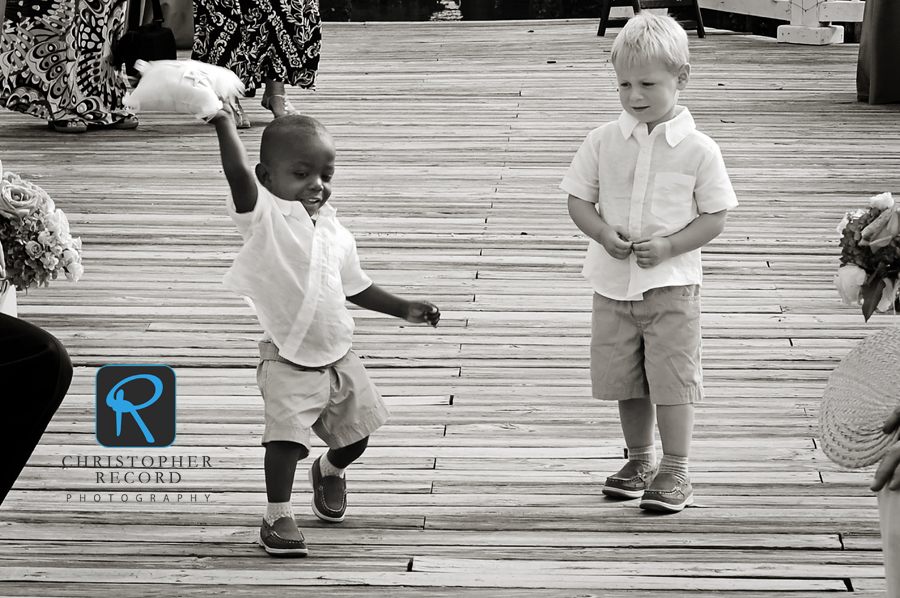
{"x":649,"y":191}
{"x":296,"y":267}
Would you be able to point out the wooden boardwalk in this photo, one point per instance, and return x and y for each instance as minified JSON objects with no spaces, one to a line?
{"x":452,"y":139}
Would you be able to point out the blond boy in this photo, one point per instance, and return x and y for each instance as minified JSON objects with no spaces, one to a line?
{"x":649,"y":191}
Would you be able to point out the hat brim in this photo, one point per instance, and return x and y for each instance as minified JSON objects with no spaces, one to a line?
{"x":862,"y":391}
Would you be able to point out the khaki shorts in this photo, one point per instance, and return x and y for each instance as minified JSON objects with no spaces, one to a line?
{"x":338,"y":402}
{"x":648,"y":348}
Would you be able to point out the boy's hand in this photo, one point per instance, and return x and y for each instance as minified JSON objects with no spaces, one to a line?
{"x":423,"y":311}
{"x":652,"y":251}
{"x":616,"y":242}
{"x":225,"y":112}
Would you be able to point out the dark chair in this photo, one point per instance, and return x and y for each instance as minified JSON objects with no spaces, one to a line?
{"x":637,"y":5}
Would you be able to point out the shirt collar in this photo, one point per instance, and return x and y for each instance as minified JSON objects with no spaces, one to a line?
{"x":296,"y":209}
{"x":676,"y":129}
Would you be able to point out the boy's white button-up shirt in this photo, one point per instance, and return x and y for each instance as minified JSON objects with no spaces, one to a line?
{"x":648,"y":184}
{"x":297,"y":275}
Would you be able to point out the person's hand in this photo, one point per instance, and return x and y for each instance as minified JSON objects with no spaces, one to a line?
{"x":226,"y":112}
{"x":615,"y":242}
{"x":888,"y":473}
{"x":892,"y":422}
{"x":423,"y":312}
{"x":652,"y":251}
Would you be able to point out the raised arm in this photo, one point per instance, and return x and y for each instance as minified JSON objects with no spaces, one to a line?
{"x":377,"y":299}
{"x":588,"y":220}
{"x":653,"y":250}
{"x":238,"y":171}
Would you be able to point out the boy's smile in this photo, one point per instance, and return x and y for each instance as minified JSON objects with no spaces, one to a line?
{"x":649,"y":91}
{"x":302,"y":170}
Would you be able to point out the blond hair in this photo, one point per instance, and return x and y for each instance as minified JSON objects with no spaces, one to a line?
{"x":651,"y":38}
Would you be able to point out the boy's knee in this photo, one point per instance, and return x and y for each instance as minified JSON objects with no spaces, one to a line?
{"x":359,"y":445}
{"x":356,"y":449}
{"x":287,"y":448}
{"x":345,"y":455}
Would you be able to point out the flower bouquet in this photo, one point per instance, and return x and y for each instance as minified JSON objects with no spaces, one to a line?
{"x":35,"y":243}
{"x":870,"y":256}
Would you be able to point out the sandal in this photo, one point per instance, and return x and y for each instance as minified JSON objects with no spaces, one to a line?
{"x":69,"y":125}
{"x":126,"y":122}
{"x":288,"y":107}
{"x":241,"y":121}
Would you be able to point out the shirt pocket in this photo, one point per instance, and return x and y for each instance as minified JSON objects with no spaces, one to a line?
{"x":673,"y":197}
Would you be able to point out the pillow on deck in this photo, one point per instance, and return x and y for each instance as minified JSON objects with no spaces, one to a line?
{"x":185,"y":86}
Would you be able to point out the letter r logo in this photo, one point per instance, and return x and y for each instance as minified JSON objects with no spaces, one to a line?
{"x":135,"y":406}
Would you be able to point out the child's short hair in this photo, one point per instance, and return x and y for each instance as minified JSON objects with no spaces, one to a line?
{"x":651,"y":38}
{"x":287,"y":126}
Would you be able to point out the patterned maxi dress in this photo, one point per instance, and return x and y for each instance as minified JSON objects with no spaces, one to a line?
{"x":259,"y":39}
{"x":55,"y":59}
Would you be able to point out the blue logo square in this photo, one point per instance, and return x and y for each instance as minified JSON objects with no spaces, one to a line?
{"x":136,"y":406}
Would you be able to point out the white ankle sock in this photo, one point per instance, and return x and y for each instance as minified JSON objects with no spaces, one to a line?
{"x":677,"y":466}
{"x":277,"y":510}
{"x":643,"y":454}
{"x":327,"y":469}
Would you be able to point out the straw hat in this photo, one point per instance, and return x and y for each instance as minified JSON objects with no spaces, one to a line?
{"x":862,"y":392}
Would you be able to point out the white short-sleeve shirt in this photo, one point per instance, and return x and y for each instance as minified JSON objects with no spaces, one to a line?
{"x":297,"y":275}
{"x":649,"y":184}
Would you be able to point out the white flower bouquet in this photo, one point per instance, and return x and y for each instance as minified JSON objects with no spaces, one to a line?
{"x":870,"y":256}
{"x":36,"y":245}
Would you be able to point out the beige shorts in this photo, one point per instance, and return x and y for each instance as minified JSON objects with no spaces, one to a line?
{"x":338,"y":402}
{"x":648,"y":348}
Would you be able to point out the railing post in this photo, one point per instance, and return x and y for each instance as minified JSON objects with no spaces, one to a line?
{"x":805,"y":27}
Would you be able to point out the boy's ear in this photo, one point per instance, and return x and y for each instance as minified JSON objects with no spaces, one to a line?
{"x":262,"y":173}
{"x":684,"y":75}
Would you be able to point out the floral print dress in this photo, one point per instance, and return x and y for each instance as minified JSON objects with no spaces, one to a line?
{"x":55,"y":60}
{"x":260,"y":39}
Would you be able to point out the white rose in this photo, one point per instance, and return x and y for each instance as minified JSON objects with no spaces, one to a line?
{"x":58,"y":224}
{"x":848,"y":281}
{"x":33,"y":249}
{"x":843,"y":223}
{"x":882,"y":201}
{"x":74,"y":271}
{"x":889,"y":295}
{"x":18,"y":200}
{"x":69,"y":255}
{"x":50,"y":261}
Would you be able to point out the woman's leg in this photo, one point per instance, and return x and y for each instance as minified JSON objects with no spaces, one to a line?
{"x":274,"y":99}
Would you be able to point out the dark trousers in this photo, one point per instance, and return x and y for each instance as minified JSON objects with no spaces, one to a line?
{"x":877,"y":71}
{"x":35,"y":373}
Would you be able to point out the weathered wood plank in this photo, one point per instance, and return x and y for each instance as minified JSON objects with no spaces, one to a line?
{"x":452,"y":139}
